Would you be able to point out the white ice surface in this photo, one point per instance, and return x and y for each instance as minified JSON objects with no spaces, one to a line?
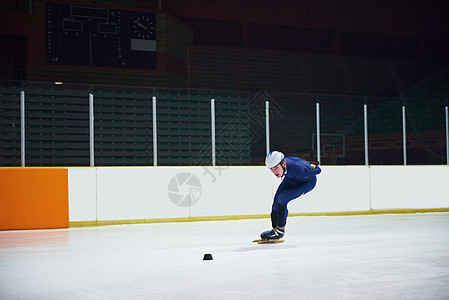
{"x":344,"y":257}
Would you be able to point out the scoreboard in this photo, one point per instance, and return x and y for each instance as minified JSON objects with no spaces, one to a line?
{"x":79,"y":35}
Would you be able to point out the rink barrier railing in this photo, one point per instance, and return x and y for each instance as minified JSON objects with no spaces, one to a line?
{"x":60,"y":123}
{"x":55,"y":197}
{"x":212,"y":137}
{"x":260,"y":216}
{"x":109,"y":195}
{"x":154,"y":126}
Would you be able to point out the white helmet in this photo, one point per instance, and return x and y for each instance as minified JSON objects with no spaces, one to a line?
{"x":273,"y":159}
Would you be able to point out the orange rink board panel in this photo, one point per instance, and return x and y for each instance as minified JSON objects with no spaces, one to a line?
{"x":34,"y":198}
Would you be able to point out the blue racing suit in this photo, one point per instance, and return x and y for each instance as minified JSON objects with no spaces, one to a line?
{"x":299,"y":178}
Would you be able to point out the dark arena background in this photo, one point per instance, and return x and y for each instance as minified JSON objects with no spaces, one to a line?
{"x":378,"y":70}
{"x":133,"y":138}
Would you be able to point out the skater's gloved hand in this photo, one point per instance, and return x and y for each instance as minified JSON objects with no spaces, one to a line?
{"x":316,"y":169}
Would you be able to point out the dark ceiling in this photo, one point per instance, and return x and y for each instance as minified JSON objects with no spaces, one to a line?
{"x":412,"y":18}
{"x":395,"y":28}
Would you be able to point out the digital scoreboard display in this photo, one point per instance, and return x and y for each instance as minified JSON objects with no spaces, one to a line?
{"x":79,"y":35}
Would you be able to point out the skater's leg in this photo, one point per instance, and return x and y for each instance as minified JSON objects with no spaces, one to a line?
{"x":277,"y":217}
{"x":274,"y":217}
{"x":279,"y":211}
{"x":291,"y":192}
{"x":283,"y":197}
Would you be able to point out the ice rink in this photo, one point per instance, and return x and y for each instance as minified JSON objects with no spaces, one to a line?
{"x":338,"y":257}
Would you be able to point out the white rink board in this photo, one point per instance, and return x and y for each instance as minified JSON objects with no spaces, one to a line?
{"x":82,"y":194}
{"x":142,"y":193}
{"x":130,"y":193}
{"x":127,"y":193}
{"x":409,"y":187}
{"x":338,"y":189}
{"x":234,"y":191}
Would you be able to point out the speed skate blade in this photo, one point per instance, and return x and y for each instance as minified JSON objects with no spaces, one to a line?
{"x":265,"y":241}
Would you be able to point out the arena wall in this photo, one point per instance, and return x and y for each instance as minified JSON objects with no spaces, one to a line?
{"x":34,"y":198}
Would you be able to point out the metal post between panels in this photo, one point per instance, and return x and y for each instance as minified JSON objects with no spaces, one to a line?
{"x":447,"y":135}
{"x":22,"y":128}
{"x":267,"y":126}
{"x":91,"y":130}
{"x":154,"y":133}
{"x":404,"y":136}
{"x":365,"y":122}
{"x":212,"y":116}
{"x":318,"y":152}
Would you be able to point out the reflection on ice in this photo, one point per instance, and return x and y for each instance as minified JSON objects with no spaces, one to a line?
{"x":350,"y":257}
